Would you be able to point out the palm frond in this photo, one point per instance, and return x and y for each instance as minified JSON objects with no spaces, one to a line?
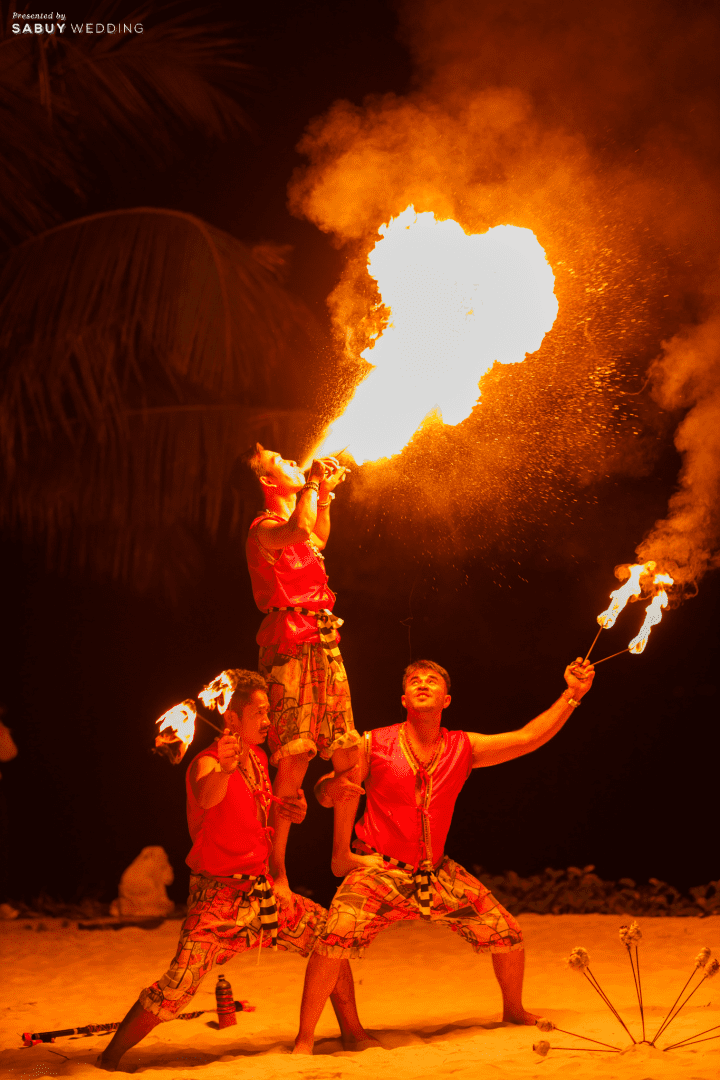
{"x":134,"y":508}
{"x":73,"y":104}
{"x":135,"y":308}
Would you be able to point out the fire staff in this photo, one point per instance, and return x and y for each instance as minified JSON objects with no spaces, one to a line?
{"x":414,"y":772}
{"x":310,"y":709}
{"x":231,"y":907}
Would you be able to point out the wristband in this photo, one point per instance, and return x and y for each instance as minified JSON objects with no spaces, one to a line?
{"x":571,"y":701}
{"x":311,"y":485}
{"x":324,"y":506}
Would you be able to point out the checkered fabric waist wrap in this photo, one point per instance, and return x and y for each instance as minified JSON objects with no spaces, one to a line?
{"x":422,"y":876}
{"x":262,"y":890}
{"x":327,"y":624}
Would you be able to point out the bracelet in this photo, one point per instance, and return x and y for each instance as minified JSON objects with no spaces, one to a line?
{"x":311,"y":485}
{"x":324,"y":506}
{"x":571,"y":701}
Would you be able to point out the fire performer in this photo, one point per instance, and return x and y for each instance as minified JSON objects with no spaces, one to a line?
{"x":414,"y":773}
{"x":231,"y":907}
{"x":310,"y":709}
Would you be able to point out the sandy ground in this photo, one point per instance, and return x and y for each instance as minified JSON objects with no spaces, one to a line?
{"x":431,"y":1003}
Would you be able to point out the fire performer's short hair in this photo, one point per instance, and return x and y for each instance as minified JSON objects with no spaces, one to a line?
{"x":253,"y":460}
{"x":247,"y":683}
{"x":426,"y":665}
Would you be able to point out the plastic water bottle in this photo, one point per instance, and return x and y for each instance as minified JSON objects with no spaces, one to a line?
{"x":225,"y":1003}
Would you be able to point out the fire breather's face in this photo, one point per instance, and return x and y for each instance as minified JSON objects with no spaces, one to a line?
{"x":281,"y":472}
{"x":253,"y":724}
{"x":425,"y":691}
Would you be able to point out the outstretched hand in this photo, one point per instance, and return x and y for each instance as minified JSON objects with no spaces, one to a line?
{"x":343,"y":786}
{"x":292,"y":807}
{"x":579,"y":677}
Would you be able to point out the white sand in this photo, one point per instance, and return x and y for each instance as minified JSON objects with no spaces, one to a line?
{"x":432,"y":1004}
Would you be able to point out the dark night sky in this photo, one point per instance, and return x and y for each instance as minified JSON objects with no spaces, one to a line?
{"x":88,"y":667}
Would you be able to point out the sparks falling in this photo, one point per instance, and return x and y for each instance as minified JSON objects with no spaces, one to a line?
{"x":458,"y":303}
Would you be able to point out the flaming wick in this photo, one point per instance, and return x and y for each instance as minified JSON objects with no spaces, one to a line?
{"x":610,"y":656}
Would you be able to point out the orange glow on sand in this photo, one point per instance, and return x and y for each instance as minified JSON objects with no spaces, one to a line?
{"x":653,"y":615}
{"x":458,"y":303}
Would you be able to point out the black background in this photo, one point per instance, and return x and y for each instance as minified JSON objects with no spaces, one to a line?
{"x":628,"y":785}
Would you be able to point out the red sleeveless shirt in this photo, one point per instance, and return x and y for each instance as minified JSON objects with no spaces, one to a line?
{"x":393,"y":822}
{"x":228,"y":838}
{"x":292,"y":577}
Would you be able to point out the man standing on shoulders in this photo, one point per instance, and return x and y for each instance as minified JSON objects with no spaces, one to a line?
{"x":231,"y":907}
{"x":310,"y":710}
{"x":414,"y":772}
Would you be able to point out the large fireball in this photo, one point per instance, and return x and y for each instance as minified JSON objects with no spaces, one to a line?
{"x":458,"y":303}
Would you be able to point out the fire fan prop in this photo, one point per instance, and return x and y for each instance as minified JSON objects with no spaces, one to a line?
{"x":458,"y":303}
{"x":630,"y":937}
{"x":177,"y":725}
{"x":641,"y":578}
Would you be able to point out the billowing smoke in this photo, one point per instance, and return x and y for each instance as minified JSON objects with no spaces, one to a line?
{"x":595,"y":125}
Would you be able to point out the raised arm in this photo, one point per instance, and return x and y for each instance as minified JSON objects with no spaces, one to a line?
{"x":494,"y":749}
{"x":300,"y":526}
{"x":335,"y":473}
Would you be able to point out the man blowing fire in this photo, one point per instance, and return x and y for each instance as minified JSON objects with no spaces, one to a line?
{"x":414,"y":772}
{"x":231,"y":907}
{"x":310,"y":710}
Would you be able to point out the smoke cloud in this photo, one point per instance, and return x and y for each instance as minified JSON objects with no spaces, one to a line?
{"x":595,"y":125}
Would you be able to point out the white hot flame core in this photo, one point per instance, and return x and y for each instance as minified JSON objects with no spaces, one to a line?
{"x":458,"y":303}
{"x":218,"y":694}
{"x":620,"y":597}
{"x":180,"y":719}
{"x":653,"y":615}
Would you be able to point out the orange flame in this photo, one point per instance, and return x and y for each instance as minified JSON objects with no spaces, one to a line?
{"x":177,"y":731}
{"x":620,"y":597}
{"x":458,"y":303}
{"x":653,"y":615}
{"x":218,"y":693}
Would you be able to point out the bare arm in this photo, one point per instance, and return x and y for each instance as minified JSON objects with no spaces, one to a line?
{"x":209,"y":778}
{"x":334,"y":475}
{"x":300,"y":526}
{"x":494,"y":749}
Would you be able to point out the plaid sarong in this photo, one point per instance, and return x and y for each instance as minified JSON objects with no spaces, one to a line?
{"x":327,"y":624}
{"x":422,"y":877}
{"x":262,"y":890}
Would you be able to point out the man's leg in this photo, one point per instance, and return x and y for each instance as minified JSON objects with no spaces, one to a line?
{"x":321,"y":975}
{"x":290,"y":775}
{"x":133,"y":1028}
{"x":509,"y":968}
{"x":342,"y":999}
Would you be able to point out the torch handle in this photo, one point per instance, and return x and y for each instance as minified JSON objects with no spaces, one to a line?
{"x":610,"y":657}
{"x":210,"y":724}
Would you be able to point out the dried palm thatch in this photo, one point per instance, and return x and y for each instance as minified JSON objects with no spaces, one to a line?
{"x":72,"y":103}
{"x":140,"y":352}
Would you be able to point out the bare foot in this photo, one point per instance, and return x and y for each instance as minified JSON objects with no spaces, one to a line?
{"x":523,"y":1017}
{"x":356,"y":1045}
{"x":303,"y":1046}
{"x":342,"y":865}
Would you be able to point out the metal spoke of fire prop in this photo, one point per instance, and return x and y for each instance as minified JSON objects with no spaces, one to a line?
{"x":630,"y":937}
{"x":641,"y":578}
